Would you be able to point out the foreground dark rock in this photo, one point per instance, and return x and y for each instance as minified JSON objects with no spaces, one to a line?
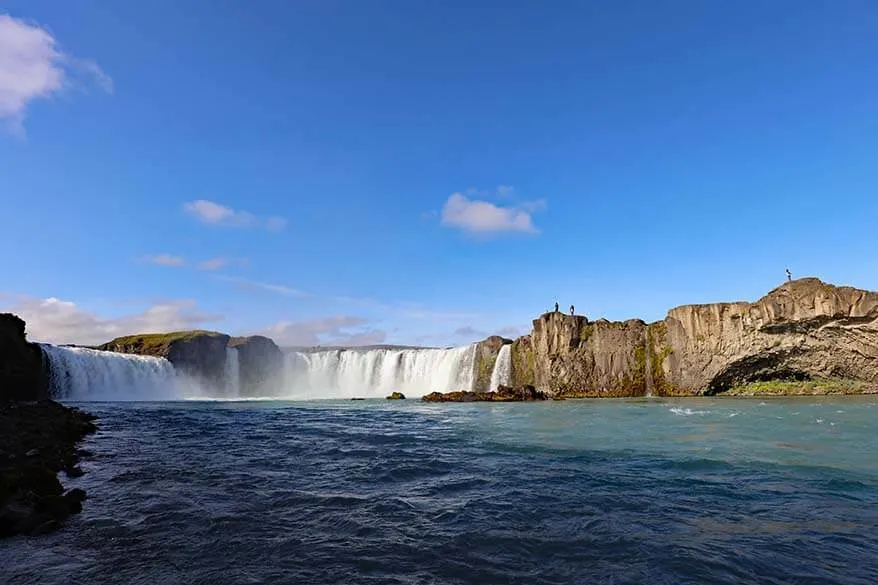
{"x":396,"y":396}
{"x":37,"y":440}
{"x":22,"y":375}
{"x":804,"y":330}
{"x":502,"y":394}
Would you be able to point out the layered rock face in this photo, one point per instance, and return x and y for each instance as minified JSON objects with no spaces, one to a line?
{"x":200,"y":354}
{"x":261,"y":365}
{"x":801,"y":330}
{"x":805,"y":329}
{"x":22,"y":374}
{"x":570,"y":356}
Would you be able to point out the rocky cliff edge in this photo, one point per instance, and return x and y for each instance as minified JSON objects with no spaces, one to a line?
{"x":803,"y":330}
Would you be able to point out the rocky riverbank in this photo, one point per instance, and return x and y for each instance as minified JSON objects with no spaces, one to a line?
{"x":502,"y":394}
{"x":37,"y":441}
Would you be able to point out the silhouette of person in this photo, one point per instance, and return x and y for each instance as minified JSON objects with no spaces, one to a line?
{"x":789,"y":275}
{"x":556,"y":307}
{"x":571,"y":310}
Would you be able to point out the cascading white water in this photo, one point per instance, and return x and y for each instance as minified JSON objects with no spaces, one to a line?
{"x":376,"y":373}
{"x":502,"y":367}
{"x":232,"y":374}
{"x":76,"y":373}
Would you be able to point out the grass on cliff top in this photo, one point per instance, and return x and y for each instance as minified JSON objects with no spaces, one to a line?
{"x":819,"y":387}
{"x":157,"y":340}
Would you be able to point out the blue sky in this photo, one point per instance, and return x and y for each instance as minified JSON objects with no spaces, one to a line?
{"x":426,"y":172}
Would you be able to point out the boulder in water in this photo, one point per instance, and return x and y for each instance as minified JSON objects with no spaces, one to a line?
{"x":396,"y":396}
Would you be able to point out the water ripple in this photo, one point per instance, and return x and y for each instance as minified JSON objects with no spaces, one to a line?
{"x":411,"y":494}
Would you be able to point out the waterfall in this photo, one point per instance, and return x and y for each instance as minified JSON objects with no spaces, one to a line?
{"x":502,"y":367}
{"x":374,"y":373}
{"x":232,"y":373}
{"x":76,"y":373}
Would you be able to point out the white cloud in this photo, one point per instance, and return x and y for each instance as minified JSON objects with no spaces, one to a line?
{"x":32,"y":67}
{"x":213,"y":263}
{"x":213,"y":213}
{"x":325,"y":331}
{"x":165,"y":260}
{"x":483,"y":217}
{"x":57,"y":321}
{"x":248,"y":284}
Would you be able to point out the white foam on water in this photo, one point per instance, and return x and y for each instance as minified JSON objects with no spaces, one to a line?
{"x":688,"y":411}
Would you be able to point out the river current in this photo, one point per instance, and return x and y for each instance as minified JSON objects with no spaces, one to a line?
{"x":607,"y":491}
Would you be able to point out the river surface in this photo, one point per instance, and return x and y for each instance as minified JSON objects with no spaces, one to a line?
{"x":609,"y":491}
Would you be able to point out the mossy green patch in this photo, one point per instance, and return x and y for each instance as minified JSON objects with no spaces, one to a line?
{"x":816,"y":387}
{"x":156,"y":343}
{"x":523,"y":363}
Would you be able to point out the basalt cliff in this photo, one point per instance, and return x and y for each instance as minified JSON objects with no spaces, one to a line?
{"x":804,"y":330}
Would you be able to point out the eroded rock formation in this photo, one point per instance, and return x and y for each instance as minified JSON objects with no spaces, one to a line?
{"x":801,"y":330}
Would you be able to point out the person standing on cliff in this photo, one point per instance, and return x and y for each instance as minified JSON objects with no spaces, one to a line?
{"x":556,"y":307}
{"x":571,"y":310}
{"x":789,"y":275}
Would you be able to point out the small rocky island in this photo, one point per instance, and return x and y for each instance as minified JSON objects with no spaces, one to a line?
{"x":502,"y":394}
{"x":38,"y":439}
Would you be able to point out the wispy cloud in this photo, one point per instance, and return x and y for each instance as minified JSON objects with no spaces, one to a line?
{"x":32,"y":67}
{"x":275,"y":223}
{"x":247,"y":284}
{"x":334,"y":330}
{"x":478,"y":216}
{"x":513,"y":331}
{"x":469,"y":333}
{"x":213,"y":263}
{"x":213,"y":213}
{"x":55,"y":320}
{"x":407,"y":310}
{"x":165,"y":260}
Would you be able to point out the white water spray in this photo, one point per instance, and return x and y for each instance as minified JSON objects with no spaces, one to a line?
{"x":502,"y":367}
{"x":76,"y":373}
{"x":376,"y":373}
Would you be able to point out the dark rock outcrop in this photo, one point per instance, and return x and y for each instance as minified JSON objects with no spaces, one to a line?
{"x":22,"y":374}
{"x":37,"y":440}
{"x":261,"y":365}
{"x":502,"y":394}
{"x":199,"y":354}
{"x":396,"y":396}
{"x":802,"y":330}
